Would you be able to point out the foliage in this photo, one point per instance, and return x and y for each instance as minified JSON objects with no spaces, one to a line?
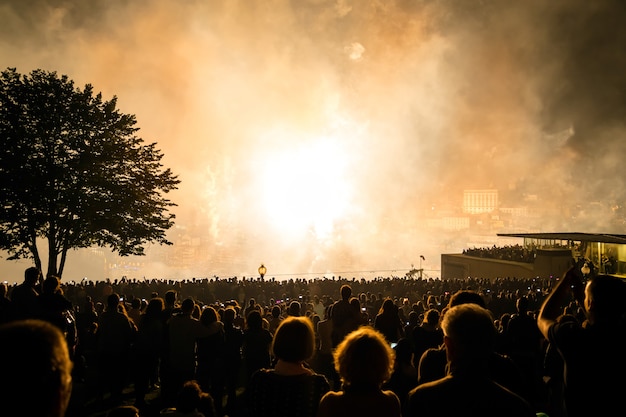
{"x":73,"y":171}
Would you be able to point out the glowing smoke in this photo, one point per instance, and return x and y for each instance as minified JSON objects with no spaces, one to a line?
{"x":399,"y":106}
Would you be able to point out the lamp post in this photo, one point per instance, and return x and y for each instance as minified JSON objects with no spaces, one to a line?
{"x":262,"y":270}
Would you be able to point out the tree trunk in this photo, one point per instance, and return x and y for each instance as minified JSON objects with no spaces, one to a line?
{"x":52,"y":258}
{"x":62,"y":263}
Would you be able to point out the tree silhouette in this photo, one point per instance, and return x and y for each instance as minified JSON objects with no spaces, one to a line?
{"x":73,"y":172}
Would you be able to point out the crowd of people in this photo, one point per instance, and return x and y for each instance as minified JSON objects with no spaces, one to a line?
{"x":516,"y":253}
{"x":314,"y":347}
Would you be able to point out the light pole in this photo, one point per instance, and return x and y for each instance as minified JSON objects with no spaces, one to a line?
{"x":421,"y":270}
{"x":262,"y":270}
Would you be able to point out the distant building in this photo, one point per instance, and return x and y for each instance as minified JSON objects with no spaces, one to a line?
{"x":553,"y":255}
{"x":480,"y":201}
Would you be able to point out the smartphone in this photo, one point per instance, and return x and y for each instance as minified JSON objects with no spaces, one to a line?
{"x":363,"y":309}
{"x":393,"y":345}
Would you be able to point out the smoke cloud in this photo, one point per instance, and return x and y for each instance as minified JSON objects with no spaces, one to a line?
{"x":324,"y":136}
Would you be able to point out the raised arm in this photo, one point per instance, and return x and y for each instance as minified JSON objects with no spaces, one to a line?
{"x":552,"y":306}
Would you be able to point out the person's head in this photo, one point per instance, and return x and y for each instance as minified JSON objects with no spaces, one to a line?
{"x":432,"y":317}
{"x":388,"y":306}
{"x":346,"y":292}
{"x":605,"y":297}
{"x":36,"y":361}
{"x":356,"y":303}
{"x":187,"y":306}
{"x":295,"y":308}
{"x":4,"y":289}
{"x":189,"y":397}
{"x":209,"y":316}
{"x":364,"y":358}
{"x":155,"y":307}
{"x":51,"y":285}
{"x":404,"y":352}
{"x":276,"y":312}
{"x":466,"y":296}
{"x":113,"y":300}
{"x":254,"y":320}
{"x":294,"y":340}
{"x":229,"y":315}
{"x":170,"y":298}
{"x":136,"y":303}
{"x":32,"y":275}
{"x":469,"y":334}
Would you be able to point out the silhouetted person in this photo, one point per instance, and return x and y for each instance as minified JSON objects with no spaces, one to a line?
{"x":388,"y":321}
{"x":404,"y":376}
{"x":276,"y":319}
{"x":116,"y":333}
{"x":25,"y":296}
{"x":210,"y":355}
{"x":291,"y":388}
{"x":147,"y":348}
{"x":426,"y":335}
{"x":344,"y":317}
{"x":364,"y":360}
{"x":592,"y":351}
{"x":233,"y":339}
{"x":256,"y":344}
{"x":434,"y":365}
{"x":467,"y":390}
{"x":58,"y":310}
{"x":523,"y":343}
{"x":183,"y":331}
{"x":7,"y":308}
{"x":36,"y":369}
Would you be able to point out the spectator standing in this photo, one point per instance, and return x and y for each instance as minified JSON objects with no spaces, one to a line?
{"x":135,"y":310}
{"x":291,"y":388}
{"x":468,"y":390}
{"x":25,"y":296}
{"x":183,"y":330}
{"x":147,"y":349}
{"x":592,"y":351}
{"x":344,"y":317}
{"x":318,"y":306}
{"x":324,"y":355}
{"x":233,"y":340}
{"x":275,"y":320}
{"x":171,"y":308}
{"x":524,"y":344}
{"x":58,"y":310}
{"x":404,"y":376}
{"x":210,"y":373}
{"x":115,"y":334}
{"x":433,"y":364}
{"x":364,"y":360}
{"x":256,"y":344}
{"x":388,"y":321}
{"x":427,"y":335}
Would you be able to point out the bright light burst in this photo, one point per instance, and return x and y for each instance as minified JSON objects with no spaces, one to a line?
{"x":305,"y":186}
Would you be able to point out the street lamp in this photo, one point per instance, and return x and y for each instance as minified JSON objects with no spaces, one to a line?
{"x":262,"y":270}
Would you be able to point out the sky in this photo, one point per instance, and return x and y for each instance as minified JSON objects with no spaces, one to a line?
{"x":317,"y":136}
